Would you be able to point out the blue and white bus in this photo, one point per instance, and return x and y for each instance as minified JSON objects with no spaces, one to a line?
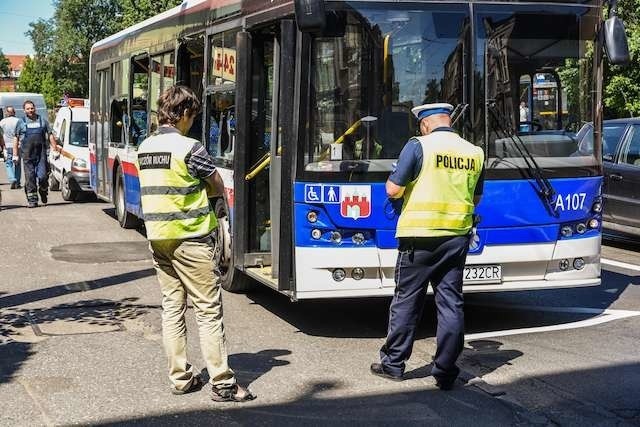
{"x":305,"y":114}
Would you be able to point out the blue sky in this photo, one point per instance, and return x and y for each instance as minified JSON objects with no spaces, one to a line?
{"x":15,"y":16}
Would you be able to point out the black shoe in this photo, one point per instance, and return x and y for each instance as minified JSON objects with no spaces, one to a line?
{"x":445,"y":385}
{"x":14,"y":185}
{"x":32,"y":205}
{"x":43,"y":198}
{"x":378,"y":369}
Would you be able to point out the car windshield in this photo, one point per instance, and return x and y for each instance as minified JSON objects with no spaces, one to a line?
{"x":537,"y":68}
{"x":611,"y":137}
{"x":79,"y":134}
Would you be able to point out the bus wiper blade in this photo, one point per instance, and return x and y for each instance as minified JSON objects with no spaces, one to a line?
{"x":458,"y":112}
{"x":545,"y":189}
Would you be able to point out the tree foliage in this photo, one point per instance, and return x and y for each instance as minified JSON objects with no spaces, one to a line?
{"x":63,"y":43}
{"x":134,"y":11}
{"x":5,"y":64}
{"x":622,"y":83}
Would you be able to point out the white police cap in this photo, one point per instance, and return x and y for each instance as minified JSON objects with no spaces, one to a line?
{"x":426,"y":110}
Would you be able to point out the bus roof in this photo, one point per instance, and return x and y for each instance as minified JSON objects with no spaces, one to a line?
{"x":187,"y":7}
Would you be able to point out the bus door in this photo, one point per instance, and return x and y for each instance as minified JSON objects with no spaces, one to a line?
{"x":101,"y":139}
{"x":268,"y":192}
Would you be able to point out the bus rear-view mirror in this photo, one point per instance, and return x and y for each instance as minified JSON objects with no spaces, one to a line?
{"x":310,"y":15}
{"x":615,"y":41}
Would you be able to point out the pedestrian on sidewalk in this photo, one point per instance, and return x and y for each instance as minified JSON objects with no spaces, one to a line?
{"x":439,"y":176}
{"x":32,"y":134}
{"x":177,"y":177}
{"x":8,"y":127}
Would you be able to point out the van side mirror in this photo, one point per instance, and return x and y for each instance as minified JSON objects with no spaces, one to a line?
{"x":310,"y":15}
{"x":615,"y":41}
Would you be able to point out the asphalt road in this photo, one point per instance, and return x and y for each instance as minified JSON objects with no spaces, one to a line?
{"x":80,"y":343}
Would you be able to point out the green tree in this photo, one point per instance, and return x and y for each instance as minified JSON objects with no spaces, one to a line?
{"x":134,"y":11}
{"x":4,"y":64}
{"x":622,"y":83}
{"x":42,"y":34}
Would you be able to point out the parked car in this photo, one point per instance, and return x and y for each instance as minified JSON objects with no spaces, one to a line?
{"x":621,"y":158}
{"x":70,"y":170}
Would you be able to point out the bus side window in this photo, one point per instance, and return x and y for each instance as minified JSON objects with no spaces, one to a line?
{"x":190,"y":73}
{"x":137,"y":121}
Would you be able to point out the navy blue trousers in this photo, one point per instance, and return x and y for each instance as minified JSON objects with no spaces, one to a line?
{"x":36,"y":169}
{"x":439,"y":261}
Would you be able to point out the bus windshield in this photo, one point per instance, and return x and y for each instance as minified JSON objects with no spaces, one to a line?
{"x":373,"y":63}
{"x":536,"y":64}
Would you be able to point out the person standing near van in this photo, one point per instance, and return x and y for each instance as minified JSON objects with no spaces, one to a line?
{"x":11,"y":158}
{"x":32,"y":134}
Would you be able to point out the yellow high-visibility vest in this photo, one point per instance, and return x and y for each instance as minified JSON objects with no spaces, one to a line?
{"x":439,"y":202}
{"x":174,"y":203}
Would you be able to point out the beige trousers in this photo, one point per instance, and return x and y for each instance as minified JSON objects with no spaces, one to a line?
{"x":185,"y":268}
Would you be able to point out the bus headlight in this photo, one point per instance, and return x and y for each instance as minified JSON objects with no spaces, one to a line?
{"x":357,"y":273}
{"x":597,"y":206}
{"x":312,"y":216}
{"x":339,"y":275}
{"x":594,"y":223}
{"x":336,"y":237}
{"x":578,"y":263}
{"x":316,"y":234}
{"x":564,"y":264}
{"x":566,"y":231}
{"x":358,"y":238}
{"x":581,"y":228}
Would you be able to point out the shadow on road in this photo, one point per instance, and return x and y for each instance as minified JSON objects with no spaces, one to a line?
{"x":248,"y":367}
{"x":367,"y":317}
{"x":597,"y":396}
{"x":13,"y":300}
{"x":20,"y":328}
{"x":140,"y":228}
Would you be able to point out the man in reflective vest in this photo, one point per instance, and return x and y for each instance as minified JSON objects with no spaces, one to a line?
{"x":438,"y":182}
{"x":33,"y":137}
{"x":177,"y":177}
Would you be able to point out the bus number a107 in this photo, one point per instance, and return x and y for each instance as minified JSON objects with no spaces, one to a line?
{"x":570,"y":202}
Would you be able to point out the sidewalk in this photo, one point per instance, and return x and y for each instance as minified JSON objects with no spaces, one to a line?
{"x":80,"y":342}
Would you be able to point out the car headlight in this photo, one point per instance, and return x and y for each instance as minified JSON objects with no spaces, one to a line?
{"x":79,"y":163}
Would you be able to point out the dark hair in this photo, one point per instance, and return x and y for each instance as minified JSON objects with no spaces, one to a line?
{"x":174,"y":101}
{"x":28,"y":101}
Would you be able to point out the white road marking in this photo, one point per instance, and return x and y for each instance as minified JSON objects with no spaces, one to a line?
{"x":602,"y":316}
{"x":620,"y":264}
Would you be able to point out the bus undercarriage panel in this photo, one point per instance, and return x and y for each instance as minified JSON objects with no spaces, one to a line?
{"x":523,"y":267}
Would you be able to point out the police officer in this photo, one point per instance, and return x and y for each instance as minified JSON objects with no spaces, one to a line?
{"x":439,"y":180}
{"x":177,"y":176}
{"x":32,"y":134}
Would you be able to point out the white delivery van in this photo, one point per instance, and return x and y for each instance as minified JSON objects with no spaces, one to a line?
{"x":70,"y":170}
{"x":16,"y":99}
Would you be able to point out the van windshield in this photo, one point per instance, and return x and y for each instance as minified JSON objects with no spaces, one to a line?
{"x":79,"y":134}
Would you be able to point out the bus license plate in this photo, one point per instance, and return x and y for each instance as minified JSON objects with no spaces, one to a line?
{"x":482,"y":274}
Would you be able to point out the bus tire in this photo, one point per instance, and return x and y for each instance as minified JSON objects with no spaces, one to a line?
{"x":230,"y":278}
{"x":126,"y":219}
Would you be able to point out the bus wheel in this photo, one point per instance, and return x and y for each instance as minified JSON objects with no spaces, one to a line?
{"x":126,"y":219}
{"x":230,"y":278}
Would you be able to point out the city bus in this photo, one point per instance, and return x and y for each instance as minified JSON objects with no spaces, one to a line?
{"x":307,"y":104}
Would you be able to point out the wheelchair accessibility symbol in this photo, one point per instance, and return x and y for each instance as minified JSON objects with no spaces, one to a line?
{"x":313,"y":193}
